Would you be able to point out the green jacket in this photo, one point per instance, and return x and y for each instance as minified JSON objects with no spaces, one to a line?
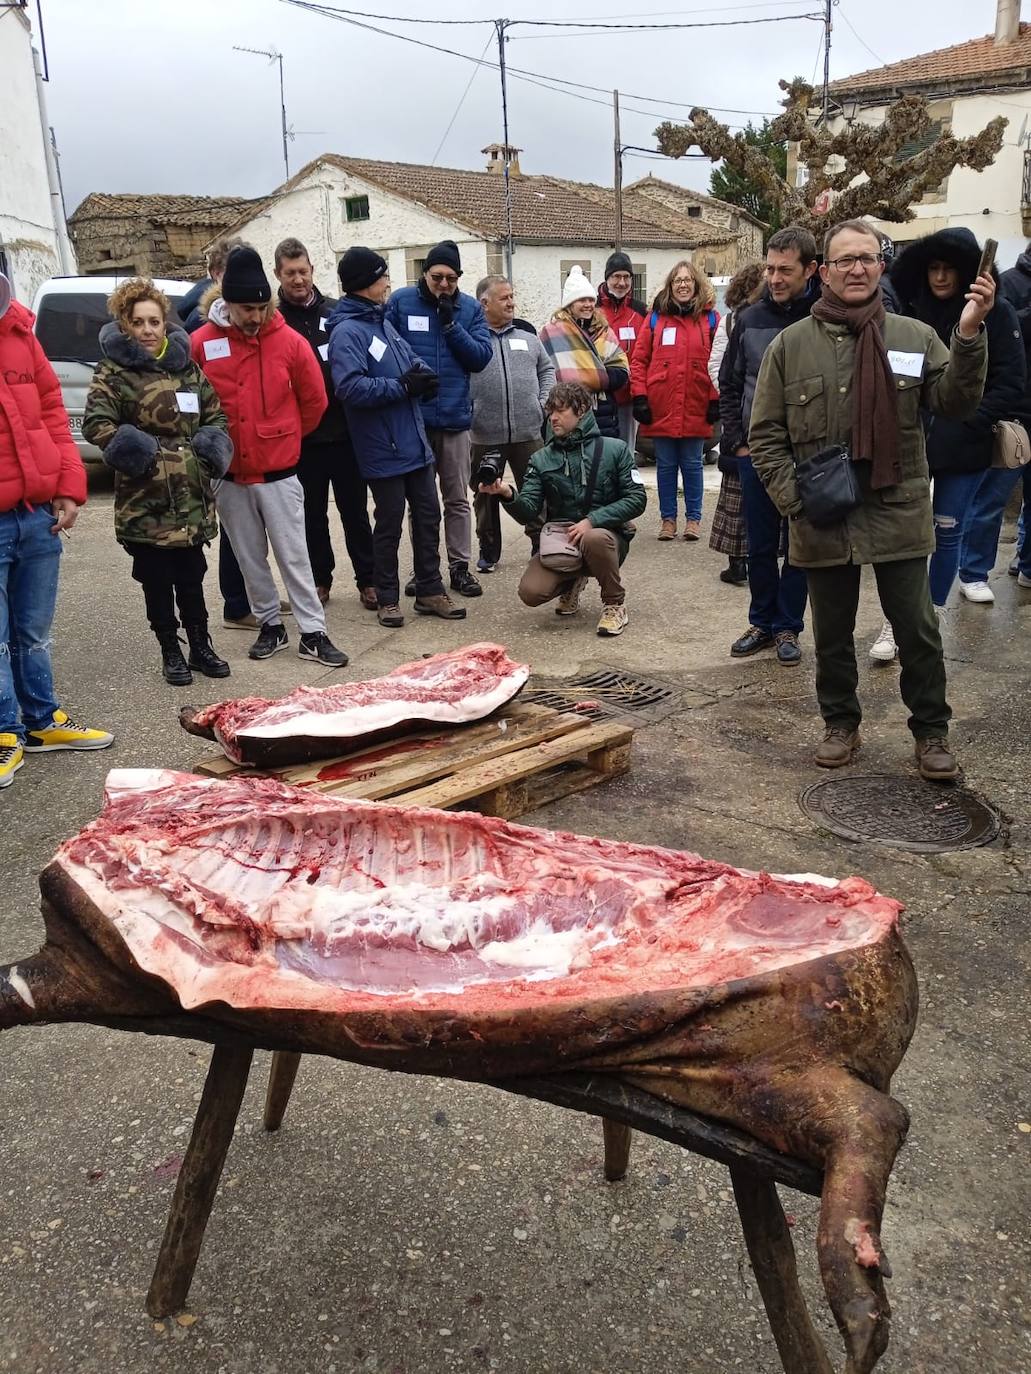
{"x":172,"y":504}
{"x":803,"y":403}
{"x":557,"y":474}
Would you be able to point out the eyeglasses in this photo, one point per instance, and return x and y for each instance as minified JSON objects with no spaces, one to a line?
{"x":443,"y":279}
{"x":683,"y":281}
{"x":865,"y":260}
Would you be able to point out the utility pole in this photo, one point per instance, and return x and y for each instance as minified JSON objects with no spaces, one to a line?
{"x":500,"y":26}
{"x":827,"y":26}
{"x":618,"y":177}
{"x":274,"y":56}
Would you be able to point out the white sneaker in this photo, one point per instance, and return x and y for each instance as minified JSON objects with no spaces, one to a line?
{"x":977,"y":591}
{"x":884,"y":648}
{"x":1023,"y":580}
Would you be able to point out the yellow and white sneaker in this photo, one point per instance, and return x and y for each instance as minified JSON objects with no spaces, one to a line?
{"x":64,"y":733}
{"x":12,"y":756}
{"x":614,"y":620}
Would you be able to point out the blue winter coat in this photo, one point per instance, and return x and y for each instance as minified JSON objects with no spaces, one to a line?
{"x":452,"y":354}
{"x":386,"y":424}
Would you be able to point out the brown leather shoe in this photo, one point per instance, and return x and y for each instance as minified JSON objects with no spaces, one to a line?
{"x":668,"y":529}
{"x":367,"y":596}
{"x":441,"y":606}
{"x":935,"y":760}
{"x":692,"y":531}
{"x":390,"y":617}
{"x":838,"y":748}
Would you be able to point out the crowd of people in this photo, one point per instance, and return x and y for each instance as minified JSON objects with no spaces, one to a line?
{"x":238,"y":424}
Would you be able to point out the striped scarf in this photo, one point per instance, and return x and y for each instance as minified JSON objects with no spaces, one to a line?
{"x":579,"y":358}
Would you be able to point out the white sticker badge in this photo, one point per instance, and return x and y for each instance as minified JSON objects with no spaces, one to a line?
{"x":418,"y":324}
{"x":216,"y":348}
{"x":377,"y":348}
{"x":906,"y":364}
{"x":635,"y":476}
{"x":627,"y":332}
{"x":322,"y":324}
{"x":188,"y":402}
{"x":519,"y":346}
{"x":324,"y":352}
{"x":669,"y":334}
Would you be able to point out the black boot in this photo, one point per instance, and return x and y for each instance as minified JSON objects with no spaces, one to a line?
{"x":174,"y":668}
{"x":202,"y":653}
{"x":736,"y":573}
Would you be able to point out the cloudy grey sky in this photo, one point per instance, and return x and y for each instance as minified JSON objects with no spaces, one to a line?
{"x":149,"y":96}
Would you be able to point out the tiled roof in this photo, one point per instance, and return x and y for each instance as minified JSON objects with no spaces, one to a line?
{"x":544,"y":209}
{"x":979,"y":58}
{"x":688,"y":196}
{"x":213,"y":211}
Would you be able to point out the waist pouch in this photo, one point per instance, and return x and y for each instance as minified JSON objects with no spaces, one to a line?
{"x":827,"y":485}
{"x":556,"y":552}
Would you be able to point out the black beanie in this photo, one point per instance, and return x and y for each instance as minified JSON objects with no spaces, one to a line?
{"x":445,"y":254}
{"x":359,"y":268}
{"x":618,"y":262}
{"x":244,"y":280}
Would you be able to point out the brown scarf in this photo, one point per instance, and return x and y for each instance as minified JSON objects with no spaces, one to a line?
{"x":875,"y":422}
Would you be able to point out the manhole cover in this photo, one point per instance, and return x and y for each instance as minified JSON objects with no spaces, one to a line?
{"x":905,"y":813}
{"x":604,"y":692}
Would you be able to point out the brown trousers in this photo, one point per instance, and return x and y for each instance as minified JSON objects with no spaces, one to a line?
{"x":600,"y":550}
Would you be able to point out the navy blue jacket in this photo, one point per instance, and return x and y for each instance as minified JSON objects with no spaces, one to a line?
{"x":452,"y":354}
{"x":386,"y":424}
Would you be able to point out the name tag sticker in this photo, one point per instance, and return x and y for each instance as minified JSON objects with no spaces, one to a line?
{"x":324,"y":352}
{"x":669,"y":334}
{"x":519,"y":345}
{"x":216,"y":348}
{"x":377,"y":348}
{"x":418,"y":324}
{"x":906,"y":364}
{"x":322,"y":324}
{"x":188,"y":403}
{"x":635,"y":476}
{"x":627,"y":332}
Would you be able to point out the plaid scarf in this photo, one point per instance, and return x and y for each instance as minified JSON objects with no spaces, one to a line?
{"x":579,"y":356}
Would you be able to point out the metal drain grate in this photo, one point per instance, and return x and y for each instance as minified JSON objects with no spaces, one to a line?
{"x":605,"y":692}
{"x":905,"y":813}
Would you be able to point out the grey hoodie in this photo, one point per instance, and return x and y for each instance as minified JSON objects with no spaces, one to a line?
{"x":509,"y":394}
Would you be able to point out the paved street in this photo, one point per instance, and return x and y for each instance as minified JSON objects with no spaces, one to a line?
{"x":410,"y":1226}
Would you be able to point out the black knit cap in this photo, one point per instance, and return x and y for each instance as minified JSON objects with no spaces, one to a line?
{"x":444,"y":254}
{"x":359,"y":268}
{"x":244,"y":281}
{"x":618,"y":262}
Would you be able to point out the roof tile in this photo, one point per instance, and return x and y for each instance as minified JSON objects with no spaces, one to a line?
{"x":980,"y":57}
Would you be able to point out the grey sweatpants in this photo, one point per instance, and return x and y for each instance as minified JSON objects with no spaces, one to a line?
{"x":256,"y":516}
{"x":452,"y":450}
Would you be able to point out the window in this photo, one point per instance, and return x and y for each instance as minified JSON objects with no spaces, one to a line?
{"x":694,"y":212}
{"x":567,"y":265}
{"x":639,"y":290}
{"x":415,"y":262}
{"x":941,"y":124}
{"x":356,"y":207}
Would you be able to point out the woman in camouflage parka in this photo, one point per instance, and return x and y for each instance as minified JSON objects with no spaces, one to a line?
{"x":159,"y":423}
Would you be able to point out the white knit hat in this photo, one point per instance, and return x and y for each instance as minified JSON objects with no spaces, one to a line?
{"x":577,"y":287}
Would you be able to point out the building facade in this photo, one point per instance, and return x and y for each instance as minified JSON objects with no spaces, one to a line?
{"x":154,"y":236}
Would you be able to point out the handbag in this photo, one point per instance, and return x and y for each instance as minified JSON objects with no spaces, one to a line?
{"x":827,"y":485}
{"x":1012,"y":447}
{"x":555,"y":551}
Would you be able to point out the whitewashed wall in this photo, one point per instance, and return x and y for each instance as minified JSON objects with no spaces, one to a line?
{"x":537,"y":274}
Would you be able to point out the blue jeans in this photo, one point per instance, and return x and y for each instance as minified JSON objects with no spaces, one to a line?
{"x":1023,"y":539}
{"x":952,"y":501}
{"x":30,"y":556}
{"x":683,"y":456}
{"x":778,"y":593}
{"x":981,"y":537}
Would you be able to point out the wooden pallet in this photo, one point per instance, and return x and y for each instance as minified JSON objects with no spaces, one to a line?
{"x":520,"y":758}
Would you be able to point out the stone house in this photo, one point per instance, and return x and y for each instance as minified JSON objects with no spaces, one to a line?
{"x":156,"y":236}
{"x":402,"y":209}
{"x":706,"y":210}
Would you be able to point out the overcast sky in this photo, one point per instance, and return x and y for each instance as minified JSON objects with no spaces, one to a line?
{"x":149,"y":96}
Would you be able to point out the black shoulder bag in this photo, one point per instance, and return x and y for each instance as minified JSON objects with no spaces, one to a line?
{"x":828,"y":486}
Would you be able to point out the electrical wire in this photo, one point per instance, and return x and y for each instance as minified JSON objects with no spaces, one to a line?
{"x":861,"y":40}
{"x":468,"y":87}
{"x":582,"y":26}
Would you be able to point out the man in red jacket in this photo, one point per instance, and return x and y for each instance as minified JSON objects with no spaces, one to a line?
{"x":272,"y":392}
{"x":625,"y":317}
{"x":42,"y":486}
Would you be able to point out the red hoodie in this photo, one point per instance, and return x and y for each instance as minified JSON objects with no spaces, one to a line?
{"x":625,"y":318}
{"x":38,"y":457}
{"x":270,"y":386}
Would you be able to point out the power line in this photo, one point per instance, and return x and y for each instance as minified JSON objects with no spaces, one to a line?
{"x":861,"y":40}
{"x":451,"y":122}
{"x":583,"y":26}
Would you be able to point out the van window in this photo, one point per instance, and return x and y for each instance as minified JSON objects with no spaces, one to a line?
{"x":69,"y":323}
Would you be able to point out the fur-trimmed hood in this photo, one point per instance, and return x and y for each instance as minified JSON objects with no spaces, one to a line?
{"x":958,"y":247}
{"x":215,"y":309}
{"x":123,"y":349}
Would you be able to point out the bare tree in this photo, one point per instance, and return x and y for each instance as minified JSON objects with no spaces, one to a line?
{"x":892,"y":183}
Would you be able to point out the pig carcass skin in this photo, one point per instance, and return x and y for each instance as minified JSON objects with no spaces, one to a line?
{"x":319,"y":722}
{"x":461,"y":945}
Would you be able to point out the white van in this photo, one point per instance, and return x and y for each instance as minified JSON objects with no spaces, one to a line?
{"x":70,"y":313}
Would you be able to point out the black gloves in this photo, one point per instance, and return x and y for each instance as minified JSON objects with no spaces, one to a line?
{"x":642,"y":410}
{"x":131,"y":451}
{"x":445,"y":311}
{"x":420,"y":384}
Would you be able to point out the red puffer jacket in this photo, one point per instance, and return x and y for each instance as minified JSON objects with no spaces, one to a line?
{"x":669,"y":367}
{"x":270,"y":386}
{"x":38,"y":457}
{"x":625,"y":319}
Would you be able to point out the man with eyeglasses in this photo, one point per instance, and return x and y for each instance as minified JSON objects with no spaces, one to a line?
{"x":777,"y":587}
{"x":856,"y":376}
{"x":447,"y":330}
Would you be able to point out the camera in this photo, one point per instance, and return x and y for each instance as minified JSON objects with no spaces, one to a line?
{"x":490,"y":468}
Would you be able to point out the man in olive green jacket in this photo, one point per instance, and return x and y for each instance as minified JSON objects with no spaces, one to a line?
{"x":808,"y":397}
{"x":558,"y":480}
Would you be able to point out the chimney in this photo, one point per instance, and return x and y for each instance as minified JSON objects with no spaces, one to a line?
{"x":1007,"y":22}
{"x":496,"y":159}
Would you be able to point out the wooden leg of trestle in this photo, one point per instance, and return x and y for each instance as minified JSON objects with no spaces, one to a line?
{"x":280,"y":1085}
{"x":773,"y":1261}
{"x":198,"y":1179}
{"x":617,"y":1149}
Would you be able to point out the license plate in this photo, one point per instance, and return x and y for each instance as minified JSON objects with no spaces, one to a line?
{"x":76,"y":424}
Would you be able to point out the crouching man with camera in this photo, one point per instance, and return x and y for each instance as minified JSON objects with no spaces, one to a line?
{"x":591,"y":490}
